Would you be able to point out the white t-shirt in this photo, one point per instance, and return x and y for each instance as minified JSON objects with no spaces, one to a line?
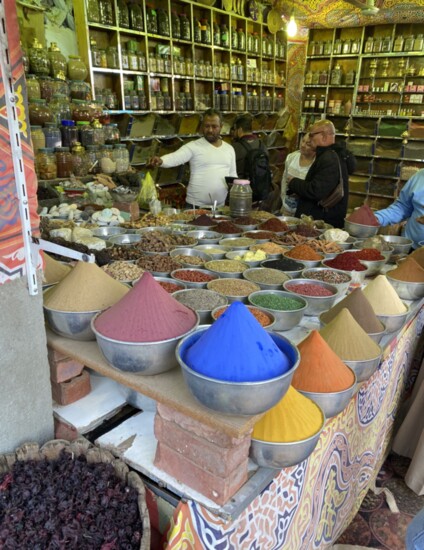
{"x":292,"y":169}
{"x":209,"y":165}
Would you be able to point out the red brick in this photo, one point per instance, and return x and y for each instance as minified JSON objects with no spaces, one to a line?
{"x":217,"y":460}
{"x":213,"y":435}
{"x":63,"y":430}
{"x":65,"y":393}
{"x":55,"y":355}
{"x":64,"y":370}
{"x":218,"y":489}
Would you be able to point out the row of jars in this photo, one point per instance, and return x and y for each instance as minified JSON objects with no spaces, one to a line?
{"x":339,"y":47}
{"x":60,"y":108}
{"x":45,"y":87}
{"x":383,"y":44}
{"x":336,"y":77}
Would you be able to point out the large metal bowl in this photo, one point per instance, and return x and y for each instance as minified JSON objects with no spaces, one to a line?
{"x":205,"y":237}
{"x":332,"y":403}
{"x":255,"y":234}
{"x":394,"y":323}
{"x":226,"y":274}
{"x":364,"y":369}
{"x":270,"y":316}
{"x":284,"y":320}
{"x":356,"y":276}
{"x":345,"y":245}
{"x":249,"y":275}
{"x":205,"y":315}
{"x":127,"y":239}
{"x":374,"y":267}
{"x":234,"y":253}
{"x":107,"y":232}
{"x":191,"y":252}
{"x":283,"y":455}
{"x":307,"y":263}
{"x":406,"y":290}
{"x":401,"y":245}
{"x":144,"y":358}
{"x":160,"y":228}
{"x":239,"y":398}
{"x":210,"y":248}
{"x":291,"y":273}
{"x":71,"y":324}
{"x":359,"y":230}
{"x":232,"y":243}
{"x":192,"y":284}
{"x":180,"y":284}
{"x":217,"y":284}
{"x":316,"y":304}
{"x":341,"y":287}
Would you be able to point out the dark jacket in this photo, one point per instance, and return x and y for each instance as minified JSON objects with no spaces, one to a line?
{"x":322,"y":178}
{"x":241,"y":152}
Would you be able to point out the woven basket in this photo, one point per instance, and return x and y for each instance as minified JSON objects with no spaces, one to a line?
{"x":81,"y":446}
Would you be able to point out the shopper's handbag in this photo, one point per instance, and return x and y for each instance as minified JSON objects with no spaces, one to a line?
{"x":336,"y":195}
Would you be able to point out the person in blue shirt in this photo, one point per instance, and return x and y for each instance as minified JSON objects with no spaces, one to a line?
{"x":408,"y":206}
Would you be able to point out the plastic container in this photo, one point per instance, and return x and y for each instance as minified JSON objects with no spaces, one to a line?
{"x":38,"y":138}
{"x":240,"y":198}
{"x":69,"y":133}
{"x":79,"y":160}
{"x":53,"y":135}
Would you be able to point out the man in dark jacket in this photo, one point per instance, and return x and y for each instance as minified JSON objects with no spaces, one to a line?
{"x":324,"y":175}
{"x":242,"y":133}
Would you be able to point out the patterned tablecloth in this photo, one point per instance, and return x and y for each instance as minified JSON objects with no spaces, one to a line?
{"x":309,"y":505}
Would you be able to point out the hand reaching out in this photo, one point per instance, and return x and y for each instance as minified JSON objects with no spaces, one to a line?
{"x":154,"y":162}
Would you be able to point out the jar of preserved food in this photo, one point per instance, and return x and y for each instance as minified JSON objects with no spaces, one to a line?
{"x":38,"y":59}
{"x":93,"y":11}
{"x":142,"y":61}
{"x":45,"y":164}
{"x":33,"y":87}
{"x":96,"y":110}
{"x":79,"y":160}
{"x":112,"y":135}
{"x":95,"y":54}
{"x":107,"y":164}
{"x":69,"y":133}
{"x":60,"y":86}
{"x":39,"y":112}
{"x":93,"y":158}
{"x":151,"y":20}
{"x":167,"y":103}
{"x":123,"y":14}
{"x":46,"y":87}
{"x":110,"y":99}
{"x":336,"y":75}
{"x":234,"y":38}
{"x":134,"y":101}
{"x":175,"y":25}
{"x":408,"y":45}
{"x":240,"y":198}
{"x":132,"y":60}
{"x":98,"y":133}
{"x":255,"y":42}
{"x":136,"y":16}
{"x":197,"y":34}
{"x":185,"y":27}
{"x":57,"y":60}
{"x":160,"y":65}
{"x":224,"y":100}
{"x":103,"y":58}
{"x":216,"y":34}
{"x":106,"y":12}
{"x":127,"y":100}
{"x":77,"y":69}
{"x":80,"y":90}
{"x":152,"y":63}
{"x":81,"y":110}
{"x":142,"y":100}
{"x":121,"y":158}
{"x":85,"y":133}
{"x":38,"y":138}
{"x":124,"y":58}
{"x":163,"y":22}
{"x":53,"y":135}
{"x":205,"y":32}
{"x":63,"y":162}
{"x":112,"y":57}
{"x":241,"y":40}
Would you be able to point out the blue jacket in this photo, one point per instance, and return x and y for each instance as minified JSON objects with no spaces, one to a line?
{"x":408,"y":206}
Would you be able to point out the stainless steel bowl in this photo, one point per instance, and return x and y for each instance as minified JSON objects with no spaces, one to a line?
{"x":373,"y":267}
{"x":106,"y":232}
{"x":208,"y":248}
{"x":230,"y":236}
{"x":190,"y":252}
{"x":264,"y":286}
{"x":127,"y":239}
{"x":271,"y":317}
{"x":364,"y":369}
{"x":406,"y":290}
{"x":284,"y":320}
{"x":234,"y":253}
{"x":180,"y":284}
{"x":192,"y":284}
{"x":394,"y":323}
{"x":205,"y":315}
{"x":307,"y":263}
{"x":71,"y":324}
{"x":144,"y":358}
{"x":204,"y":227}
{"x":268,"y":256}
{"x":231,"y":242}
{"x":161,"y":228}
{"x":236,"y":397}
{"x":332,"y":403}
{"x":216,"y":285}
{"x":401,"y":245}
{"x":341,"y":287}
{"x":178,"y":227}
{"x":226,"y":274}
{"x":291,"y":273}
{"x":248,"y":227}
{"x":205,"y":237}
{"x":356,"y":276}
{"x":348,"y":243}
{"x":376,"y":336}
{"x":359,"y":230}
{"x":316,"y":304}
{"x":259,"y":240}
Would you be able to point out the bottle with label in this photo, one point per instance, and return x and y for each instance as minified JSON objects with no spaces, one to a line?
{"x":313,"y":104}
{"x":197,"y":32}
{"x":205,"y":32}
{"x":151,"y":20}
{"x":355,"y":46}
{"x":387,"y":44}
{"x":216,"y":34}
{"x":350,"y":78}
{"x":306,"y":103}
{"x":175,"y":25}
{"x":369,"y":45}
{"x":234,"y":38}
{"x":315,"y":78}
{"x":377,"y":45}
{"x":323,"y":77}
{"x":321,"y":104}
{"x":255,"y":43}
{"x":418,"y":43}
{"x":347,"y":46}
{"x":241,"y":40}
{"x":319,"y":47}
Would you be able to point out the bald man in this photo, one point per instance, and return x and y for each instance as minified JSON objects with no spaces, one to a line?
{"x":324,"y":175}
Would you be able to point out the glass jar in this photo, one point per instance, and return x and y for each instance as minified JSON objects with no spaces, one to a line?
{"x":33,"y":87}
{"x":234,"y":38}
{"x":224,"y":101}
{"x":369,"y":45}
{"x":38,"y":59}
{"x":96,"y":59}
{"x":106,"y":12}
{"x":163,"y":22}
{"x":387,"y":44}
{"x":141,"y":58}
{"x":142,"y":100}
{"x":136,"y":16}
{"x":347,"y":46}
{"x":96,"y":110}
{"x":205,"y":32}
{"x":241,"y":40}
{"x":45,"y":164}
{"x":160,"y":65}
{"x":240,"y":198}
{"x":338,"y":45}
{"x":63,"y":162}
{"x":127,"y":100}
{"x":378,"y":44}
{"x":175,"y":25}
{"x":167,"y":64}
{"x":57,"y":60}
{"x":185,"y":27}
{"x":38,"y":138}
{"x":85,"y":133}
{"x":93,"y":158}
{"x":121,"y":158}
{"x":39,"y":112}
{"x":124,"y":58}
{"x":134,"y":101}
{"x":110,"y":99}
{"x":80,"y":90}
{"x":60,"y":87}
{"x":81,"y":111}
{"x":336,"y":75}
{"x":151,"y":20}
{"x":216,"y":34}
{"x":112,"y":134}
{"x":77,"y":69}
{"x":225,"y":37}
{"x":132,"y":60}
{"x":123,"y":14}
{"x":408,"y":45}
{"x":167,"y":103}
{"x":79,"y":160}
{"x":52,"y":135}
{"x":418,"y":43}
{"x":107,"y":164}
{"x":152,"y":63}
{"x":46,"y":87}
{"x":112,"y":57}
{"x":69,"y":133}
{"x":93,"y":11}
{"x":398,"y":44}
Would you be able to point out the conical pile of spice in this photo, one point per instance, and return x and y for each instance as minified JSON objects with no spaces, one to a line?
{"x":304,"y":252}
{"x":409,"y":271}
{"x":348,"y":340}
{"x":203,"y":220}
{"x":294,"y":418}
{"x":418,"y":256}
{"x":363,"y":216}
{"x":383,"y":297}
{"x":146,"y":314}
{"x":54,"y":271}
{"x":320,"y":369}
{"x":86,"y":288}
{"x":361,"y":310}
{"x":236,"y":348}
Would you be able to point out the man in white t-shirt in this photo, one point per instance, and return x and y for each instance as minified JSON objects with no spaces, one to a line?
{"x":210,"y":159}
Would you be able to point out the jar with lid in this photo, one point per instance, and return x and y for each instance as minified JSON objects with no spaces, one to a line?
{"x":346,"y":46}
{"x":33,"y":87}
{"x":141,"y":58}
{"x":142,"y":100}
{"x":355,"y":46}
{"x":205,"y":32}
{"x":45,"y":164}
{"x":57,"y":60}
{"x":224,"y":100}
{"x":95,"y":54}
{"x":112,"y":57}
{"x":336,"y":75}
{"x":234,"y":38}
{"x":350,"y":78}
{"x":163,"y":22}
{"x":63,"y":162}
{"x":124,"y":58}
{"x":377,"y":44}
{"x":408,"y":45}
{"x":77,"y":69}
{"x":315,"y":78}
{"x":81,"y":110}
{"x":418,"y":43}
{"x":110,"y":99}
{"x":240,"y":198}
{"x":106,"y":12}
{"x":225,"y":39}
{"x":134,"y":101}
{"x":249,"y":42}
{"x":398,"y":43}
{"x":197,"y":34}
{"x":338,"y":46}
{"x":167,"y":65}
{"x":185,"y":27}
{"x":98,"y":132}
{"x":175,"y":25}
{"x":39,"y":112}
{"x":167,"y":103}
{"x":96,"y":110}
{"x":160,"y":65}
{"x":327,"y":48}
{"x":133,"y":60}
{"x":38,"y":138}
{"x":111,"y":133}
{"x":52,"y":135}
{"x":60,"y":86}
{"x":107,"y":164}
{"x":208,"y":70}
{"x":38,"y":59}
{"x":216,"y":34}
{"x":93,"y":11}
{"x":127,"y":100}
{"x":93,"y":153}
{"x":255,"y":101}
{"x":69,"y":133}
{"x":241,"y":40}
{"x":46,"y":87}
{"x":85,"y":133}
{"x":369,"y":45}
{"x":123,"y":14}
{"x":121,"y":158}
{"x":80,"y":90}
{"x":136,"y":16}
{"x":79,"y":160}
{"x":151,"y":20}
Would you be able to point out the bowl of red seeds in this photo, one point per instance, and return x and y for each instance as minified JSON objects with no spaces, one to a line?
{"x":319,"y":295}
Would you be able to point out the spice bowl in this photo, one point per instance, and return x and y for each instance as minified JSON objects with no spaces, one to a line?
{"x":202,"y":256}
{"x":401,"y":245}
{"x":237,"y":243}
{"x":221,"y":268}
{"x":107,"y":232}
{"x":235,"y":398}
{"x":347,"y":244}
{"x":229,"y":235}
{"x":307,"y":263}
{"x":356,"y":276}
{"x":71,"y":324}
{"x":341,"y":287}
{"x":160,"y":228}
{"x":234,"y":254}
{"x":142,"y":358}
{"x":269,"y":256}
{"x":406,"y":290}
{"x":126,"y":239}
{"x":265,"y":318}
{"x":294,"y":272}
{"x":198,"y":298}
{"x":376,"y":336}
{"x":374,"y":267}
{"x":235,"y":290}
{"x":360,"y":230}
{"x":259,"y":276}
{"x":203,"y":277}
{"x":205,"y":237}
{"x":215,"y":251}
{"x":168,"y":280}
{"x":364,"y":369}
{"x":393,"y":323}
{"x":258,"y":235}
{"x":316,"y":303}
{"x":284,"y":319}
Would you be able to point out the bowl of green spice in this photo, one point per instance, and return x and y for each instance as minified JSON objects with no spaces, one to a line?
{"x":287,"y":309}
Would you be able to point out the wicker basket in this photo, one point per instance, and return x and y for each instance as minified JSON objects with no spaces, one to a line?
{"x":81,"y":446}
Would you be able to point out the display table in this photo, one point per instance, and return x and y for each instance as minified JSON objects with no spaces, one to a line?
{"x":308,"y":505}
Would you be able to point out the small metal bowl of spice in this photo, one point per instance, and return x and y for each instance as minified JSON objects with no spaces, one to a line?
{"x":287,"y":308}
{"x":202,"y":300}
{"x":305,"y":254}
{"x":170,"y":285}
{"x":320,"y":296}
{"x":193,"y":278}
{"x":215,"y":251}
{"x":264,"y":318}
{"x":339,"y":279}
{"x":124,"y":272}
{"x":350,"y":265}
{"x":246,"y":223}
{"x":252,"y":259}
{"x":235,"y":290}
{"x":259,"y":236}
{"x":158,"y":264}
{"x":227,"y":268}
{"x":291,"y":267}
{"x":124,"y":240}
{"x":266,"y":278}
{"x":272,"y":250}
{"x":228,"y":229}
{"x":205,"y":237}
{"x":189,"y":257}
{"x":238,"y":243}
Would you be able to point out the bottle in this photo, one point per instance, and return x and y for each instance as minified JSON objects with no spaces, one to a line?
{"x":387,"y":44}
{"x":63,"y":162}
{"x":350,"y":78}
{"x":313,"y":104}
{"x":306,"y":103}
{"x":205,"y":32}
{"x":123,"y":14}
{"x":398,"y":45}
{"x":418,"y":43}
{"x":163,"y":22}
{"x":369,"y":45}
{"x":241,"y":40}
{"x":308,"y":77}
{"x":106,"y":12}
{"x":337,"y":48}
{"x":240,"y":198}
{"x":234,"y":38}
{"x":175,"y":25}
{"x":197,"y":33}
{"x":136,"y":17}
{"x":38,"y":138}
{"x":336,"y":75}
{"x":356,"y":44}
{"x":225,"y":40}
{"x":151,"y":20}
{"x":321,"y":104}
{"x":378,"y":44}
{"x":185,"y":27}
{"x":315,"y":78}
{"x":408,"y":45}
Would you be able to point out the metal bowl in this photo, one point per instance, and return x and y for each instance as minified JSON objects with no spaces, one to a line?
{"x":178,"y":227}
{"x":127,"y":239}
{"x":292,"y":274}
{"x":208,"y":248}
{"x":307,"y":263}
{"x":236,"y":397}
{"x":359,"y":230}
{"x":357,"y":245}
{"x":205,"y":315}
{"x":190,"y":252}
{"x":205,"y":237}
{"x":192,"y":284}
{"x":348,"y":243}
{"x":268,"y":256}
{"x":341,"y":287}
{"x":332,"y":403}
{"x":180,"y":284}
{"x":284,"y":320}
{"x":71,"y":324}
{"x":259,"y":240}
{"x":316,"y":304}
{"x":231,"y":242}
{"x":356,"y":276}
{"x":234,"y":253}
{"x":283,"y":455}
{"x":204,"y":227}
{"x":406,"y":290}
{"x":373,"y":267}
{"x":248,"y":227}
{"x":401,"y":245}
{"x":226,"y":274}
{"x":144,"y":358}
{"x":264,"y":286}
{"x":394,"y":323}
{"x":160,"y":228}
{"x":230,"y":236}
{"x":364,"y":369}
{"x":215,"y":285}
{"x":271,"y":317}
{"x":106,"y":232}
